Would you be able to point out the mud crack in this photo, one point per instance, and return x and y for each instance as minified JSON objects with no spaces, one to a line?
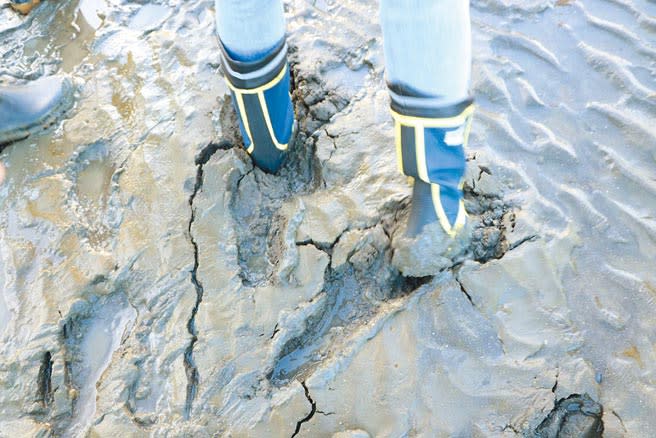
{"x":44,"y":380}
{"x":531,"y":238}
{"x":620,"y":419}
{"x":359,"y":279}
{"x":464,"y":291}
{"x":555,"y":385}
{"x":309,"y":416}
{"x":191,"y":369}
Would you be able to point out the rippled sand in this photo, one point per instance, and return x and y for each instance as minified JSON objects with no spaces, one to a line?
{"x":147,"y":266}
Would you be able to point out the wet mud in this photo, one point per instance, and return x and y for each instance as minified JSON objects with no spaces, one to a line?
{"x":155,"y":283}
{"x":574,"y":416}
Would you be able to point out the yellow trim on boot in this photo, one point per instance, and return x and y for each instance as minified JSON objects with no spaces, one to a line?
{"x":461,"y":219}
{"x":420,"y":153}
{"x":399,"y":148}
{"x":267,"y":119}
{"x":244,"y":119}
{"x":421,"y":123}
{"x":239,"y":93}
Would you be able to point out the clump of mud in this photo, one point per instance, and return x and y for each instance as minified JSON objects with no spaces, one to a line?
{"x":482,"y":239}
{"x":577,"y":416}
{"x":490,"y":216}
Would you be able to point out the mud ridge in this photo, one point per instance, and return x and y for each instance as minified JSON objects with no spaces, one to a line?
{"x":190,"y":366}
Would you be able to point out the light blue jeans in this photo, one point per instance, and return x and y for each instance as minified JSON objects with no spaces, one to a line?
{"x":427,"y":43}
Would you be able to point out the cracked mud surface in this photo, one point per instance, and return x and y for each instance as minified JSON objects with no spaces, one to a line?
{"x":190,"y":366}
{"x":356,"y":282}
{"x":309,"y":416}
{"x":260,"y":196}
{"x":155,"y":284}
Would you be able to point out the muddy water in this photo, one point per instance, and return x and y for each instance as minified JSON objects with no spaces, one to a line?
{"x":105,"y":215}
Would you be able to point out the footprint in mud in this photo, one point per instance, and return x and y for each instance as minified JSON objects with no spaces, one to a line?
{"x":93,"y":194}
{"x":260,"y":196}
{"x":90,"y":336}
{"x":255,"y":204}
{"x":573,"y":417}
{"x":362,"y":277}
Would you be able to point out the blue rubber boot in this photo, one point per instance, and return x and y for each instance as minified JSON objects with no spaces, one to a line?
{"x":28,"y":109}
{"x":430,"y":142}
{"x":260,"y":93}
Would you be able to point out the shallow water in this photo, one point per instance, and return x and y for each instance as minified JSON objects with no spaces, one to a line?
{"x":112,"y":200}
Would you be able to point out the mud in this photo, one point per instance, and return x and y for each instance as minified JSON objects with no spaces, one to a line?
{"x":574,"y":416}
{"x":154,"y":283}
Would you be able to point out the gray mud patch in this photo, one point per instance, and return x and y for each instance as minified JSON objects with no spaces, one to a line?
{"x":259,"y":195}
{"x":361,"y":277}
{"x":577,"y":416}
{"x":358,"y":281}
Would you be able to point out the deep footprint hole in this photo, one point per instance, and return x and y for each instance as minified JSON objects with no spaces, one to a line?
{"x":259,"y":196}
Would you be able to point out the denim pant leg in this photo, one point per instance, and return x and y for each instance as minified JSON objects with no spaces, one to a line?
{"x":249,"y":29}
{"x":427,"y":47}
